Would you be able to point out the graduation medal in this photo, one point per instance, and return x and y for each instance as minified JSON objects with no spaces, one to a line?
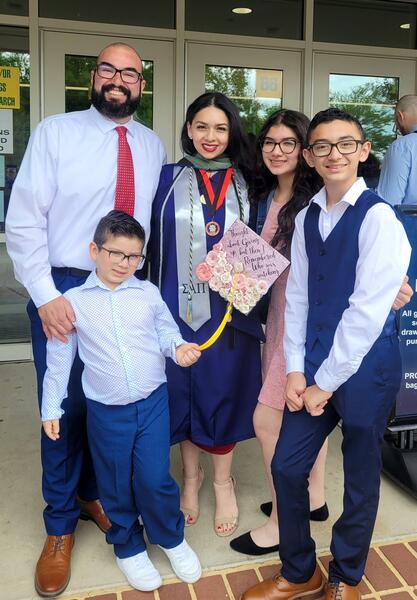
{"x":214,"y":201}
{"x":212,"y":228}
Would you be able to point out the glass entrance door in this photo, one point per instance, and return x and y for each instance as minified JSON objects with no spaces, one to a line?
{"x":69,"y":58}
{"x":67,"y":61}
{"x":258,"y":80}
{"x":366,"y":87}
{"x":15,"y":124}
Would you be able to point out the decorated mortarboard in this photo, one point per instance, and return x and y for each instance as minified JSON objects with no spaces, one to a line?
{"x":241,"y":268}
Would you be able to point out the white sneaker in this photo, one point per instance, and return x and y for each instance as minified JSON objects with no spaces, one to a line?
{"x":140,"y":572}
{"x":184,"y":562}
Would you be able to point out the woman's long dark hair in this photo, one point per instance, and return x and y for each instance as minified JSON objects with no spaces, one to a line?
{"x":306,"y":181}
{"x":238,"y":149}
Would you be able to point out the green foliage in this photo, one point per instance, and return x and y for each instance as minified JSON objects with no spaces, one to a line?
{"x":234,"y":83}
{"x":77,"y":75}
{"x":373,"y":104}
{"x":20,"y":60}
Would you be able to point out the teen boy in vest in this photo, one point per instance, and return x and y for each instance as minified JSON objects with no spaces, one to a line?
{"x":349,"y":256}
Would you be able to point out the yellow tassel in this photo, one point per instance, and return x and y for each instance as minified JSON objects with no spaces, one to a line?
{"x":224,"y":321}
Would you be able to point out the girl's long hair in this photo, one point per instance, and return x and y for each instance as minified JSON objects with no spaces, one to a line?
{"x":306,"y":181}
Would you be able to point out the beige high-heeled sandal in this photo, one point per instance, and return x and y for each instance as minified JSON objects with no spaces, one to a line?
{"x":231,"y":520}
{"x":191,"y":514}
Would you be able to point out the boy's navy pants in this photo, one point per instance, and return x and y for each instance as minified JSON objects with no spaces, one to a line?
{"x":66,"y":463}
{"x":130,"y":447}
{"x":363,"y":404}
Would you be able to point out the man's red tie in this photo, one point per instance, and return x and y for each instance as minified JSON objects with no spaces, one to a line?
{"x":125,"y":186}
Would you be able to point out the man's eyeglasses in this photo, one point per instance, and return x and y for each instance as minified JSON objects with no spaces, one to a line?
{"x":286,"y":146}
{"x":395,"y":130}
{"x":321,"y":149}
{"x":107,"y":71}
{"x":117,"y":257}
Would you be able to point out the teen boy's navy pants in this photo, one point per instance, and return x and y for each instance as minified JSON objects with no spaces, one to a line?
{"x":66,"y":462}
{"x":363,"y":403}
{"x":130,"y":447}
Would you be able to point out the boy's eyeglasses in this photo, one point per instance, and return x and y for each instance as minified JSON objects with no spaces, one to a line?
{"x":107,"y":71}
{"x":117,"y":257}
{"x":321,"y":149}
{"x":286,"y":146}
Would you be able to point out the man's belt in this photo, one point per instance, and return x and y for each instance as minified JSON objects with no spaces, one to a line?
{"x":73,"y":271}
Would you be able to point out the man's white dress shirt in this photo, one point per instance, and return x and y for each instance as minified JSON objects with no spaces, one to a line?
{"x":384,"y":256}
{"x":66,"y":183}
{"x":122,"y":337}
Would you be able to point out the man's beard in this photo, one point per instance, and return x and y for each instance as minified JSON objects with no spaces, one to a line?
{"x":113,"y":109}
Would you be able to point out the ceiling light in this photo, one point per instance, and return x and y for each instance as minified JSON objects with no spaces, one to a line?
{"x":405,"y":26}
{"x":241,"y":10}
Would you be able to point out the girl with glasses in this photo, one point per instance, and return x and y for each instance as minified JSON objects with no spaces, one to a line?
{"x":283,"y":185}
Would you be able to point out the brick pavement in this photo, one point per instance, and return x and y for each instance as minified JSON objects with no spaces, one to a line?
{"x":391,"y":574}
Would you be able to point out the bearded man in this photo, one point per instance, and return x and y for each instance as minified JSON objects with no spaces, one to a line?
{"x":77,"y":167}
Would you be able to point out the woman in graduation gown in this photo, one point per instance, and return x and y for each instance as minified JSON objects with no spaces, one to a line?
{"x":212,"y":403}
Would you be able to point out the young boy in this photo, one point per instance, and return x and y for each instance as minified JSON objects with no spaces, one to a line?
{"x":349,"y":256}
{"x":123,"y":330}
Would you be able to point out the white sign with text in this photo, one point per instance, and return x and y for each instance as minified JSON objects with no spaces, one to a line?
{"x":6,"y":131}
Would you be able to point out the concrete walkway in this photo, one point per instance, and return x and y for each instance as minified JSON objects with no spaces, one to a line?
{"x":93,"y":567}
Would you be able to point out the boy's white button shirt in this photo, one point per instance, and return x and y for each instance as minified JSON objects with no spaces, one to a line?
{"x":384,"y":256}
{"x":122,"y":336}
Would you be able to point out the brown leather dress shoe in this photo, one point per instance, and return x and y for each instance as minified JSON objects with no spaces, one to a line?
{"x":279,"y":588}
{"x":342,"y":591}
{"x":93,"y":511}
{"x":53,"y":570}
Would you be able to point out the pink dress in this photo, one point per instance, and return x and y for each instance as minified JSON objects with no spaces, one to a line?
{"x":273,"y":364}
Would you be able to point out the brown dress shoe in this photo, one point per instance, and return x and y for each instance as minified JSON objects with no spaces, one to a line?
{"x":342,"y":591}
{"x":93,"y":511}
{"x":279,"y":588}
{"x":53,"y":570}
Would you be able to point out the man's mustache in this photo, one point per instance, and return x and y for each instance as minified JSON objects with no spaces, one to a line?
{"x":110,"y":86}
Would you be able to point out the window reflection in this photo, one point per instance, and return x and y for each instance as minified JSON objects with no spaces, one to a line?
{"x":77,"y":86}
{"x":372,"y":100}
{"x":14,"y":323}
{"x":274,"y":19}
{"x":371,"y":23}
{"x":257,"y":92}
{"x":158,"y":13}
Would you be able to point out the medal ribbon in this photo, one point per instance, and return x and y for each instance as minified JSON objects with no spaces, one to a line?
{"x":215,"y":201}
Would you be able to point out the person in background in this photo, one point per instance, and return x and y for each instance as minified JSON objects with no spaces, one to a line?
{"x":398,"y":180}
{"x":10,"y":177}
{"x":77,"y":167}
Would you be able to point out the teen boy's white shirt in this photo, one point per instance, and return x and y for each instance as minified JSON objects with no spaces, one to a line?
{"x":384,"y":256}
{"x":122,"y":336}
{"x":66,"y":183}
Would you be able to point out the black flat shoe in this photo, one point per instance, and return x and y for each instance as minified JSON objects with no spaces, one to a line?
{"x":245,"y":545}
{"x":319,"y":514}
{"x":266,"y":508}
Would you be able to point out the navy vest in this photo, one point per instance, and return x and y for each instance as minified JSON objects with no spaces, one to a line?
{"x":332,"y":273}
